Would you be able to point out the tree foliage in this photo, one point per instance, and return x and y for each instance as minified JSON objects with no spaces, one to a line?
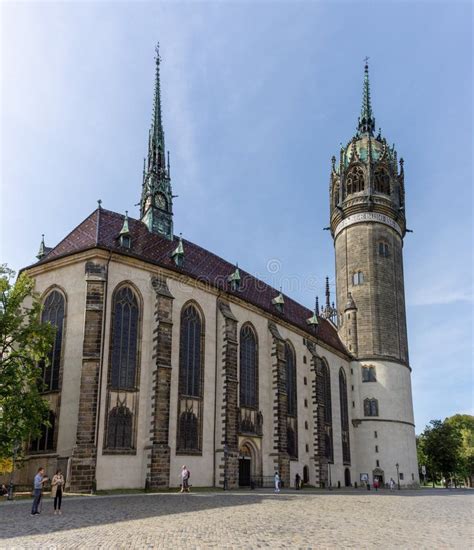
{"x":24,"y":343}
{"x":447,"y":448}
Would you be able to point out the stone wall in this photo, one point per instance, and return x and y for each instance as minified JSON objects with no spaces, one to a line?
{"x":159,"y":458}
{"x":380,"y":299}
{"x":229,"y":474}
{"x":280,"y":407}
{"x":85,"y":451}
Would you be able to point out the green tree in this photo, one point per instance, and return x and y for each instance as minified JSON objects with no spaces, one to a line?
{"x":441,"y":444}
{"x":24,"y":343}
{"x":464,"y":424}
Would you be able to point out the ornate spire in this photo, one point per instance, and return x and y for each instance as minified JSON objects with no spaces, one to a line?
{"x":156,"y":204}
{"x":156,"y":151}
{"x":366,"y":120}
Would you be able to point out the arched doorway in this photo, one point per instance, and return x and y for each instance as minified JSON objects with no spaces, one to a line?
{"x":245,"y":466}
{"x":305,"y":474}
{"x":378,"y":474}
{"x":347,"y":477}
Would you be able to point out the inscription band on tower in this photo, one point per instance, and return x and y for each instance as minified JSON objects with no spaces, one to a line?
{"x":367,"y":217}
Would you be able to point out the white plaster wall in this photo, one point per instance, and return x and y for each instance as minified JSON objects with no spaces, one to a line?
{"x":394,"y":424}
{"x":128,"y":471}
{"x":71,"y":279}
{"x":201,"y":467}
{"x":338,"y":468}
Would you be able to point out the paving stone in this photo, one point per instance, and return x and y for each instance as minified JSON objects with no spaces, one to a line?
{"x":246,"y":520}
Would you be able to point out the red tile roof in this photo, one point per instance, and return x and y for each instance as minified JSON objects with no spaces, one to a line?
{"x":101,"y":229}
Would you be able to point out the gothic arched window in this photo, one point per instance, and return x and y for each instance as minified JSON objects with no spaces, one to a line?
{"x":53,"y":313}
{"x":382,"y":181}
{"x":346,"y":454}
{"x":355,"y":180}
{"x":188,"y":439}
{"x":368,"y":374}
{"x":248,"y":368}
{"x":45,"y":442}
{"x":190,"y":353}
{"x":371,"y":407}
{"x":290,"y":378}
{"x":124,"y":339}
{"x":119,"y":428}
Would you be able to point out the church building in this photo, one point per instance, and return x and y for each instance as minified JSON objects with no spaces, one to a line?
{"x":166,"y":354}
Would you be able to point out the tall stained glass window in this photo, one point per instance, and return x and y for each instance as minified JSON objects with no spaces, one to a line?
{"x":190,"y":375}
{"x":124,"y":350}
{"x":248,"y":368}
{"x":53,"y":313}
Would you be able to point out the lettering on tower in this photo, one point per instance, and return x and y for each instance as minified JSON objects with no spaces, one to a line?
{"x":367,"y":217}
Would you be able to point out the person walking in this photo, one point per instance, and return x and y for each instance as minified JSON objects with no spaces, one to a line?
{"x":185,"y":475}
{"x":277,"y":483}
{"x":392,"y":484}
{"x":39,"y":480}
{"x":376,"y":483}
{"x":57,"y":485}
{"x":297,"y":482}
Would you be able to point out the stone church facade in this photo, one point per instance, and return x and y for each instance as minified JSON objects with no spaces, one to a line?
{"x":166,"y":354}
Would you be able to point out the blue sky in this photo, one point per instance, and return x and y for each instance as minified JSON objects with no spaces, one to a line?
{"x":256,"y":99}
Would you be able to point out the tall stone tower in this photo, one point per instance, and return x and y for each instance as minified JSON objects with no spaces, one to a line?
{"x":367,"y":209}
{"x":156,"y":203}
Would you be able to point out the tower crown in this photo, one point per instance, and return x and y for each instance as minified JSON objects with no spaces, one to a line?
{"x":156,"y":204}
{"x":367,"y":176}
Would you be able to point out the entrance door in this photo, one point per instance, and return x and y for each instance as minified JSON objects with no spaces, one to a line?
{"x":244,"y":472}
{"x":347,"y":477}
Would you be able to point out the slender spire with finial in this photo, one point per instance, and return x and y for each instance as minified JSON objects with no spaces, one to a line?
{"x":156,"y":202}
{"x":156,"y":153}
{"x":328,"y":295}
{"x":366,"y":119}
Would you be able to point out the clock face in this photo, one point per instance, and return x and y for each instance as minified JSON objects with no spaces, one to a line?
{"x":160,"y":201}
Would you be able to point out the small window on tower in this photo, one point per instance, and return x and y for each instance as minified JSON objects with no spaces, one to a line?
{"x":377,"y":462}
{"x":358,"y":278}
{"x":383,"y":250}
{"x":368,"y":374}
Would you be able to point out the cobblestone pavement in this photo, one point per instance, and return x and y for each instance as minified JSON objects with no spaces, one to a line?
{"x":307,"y":519}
